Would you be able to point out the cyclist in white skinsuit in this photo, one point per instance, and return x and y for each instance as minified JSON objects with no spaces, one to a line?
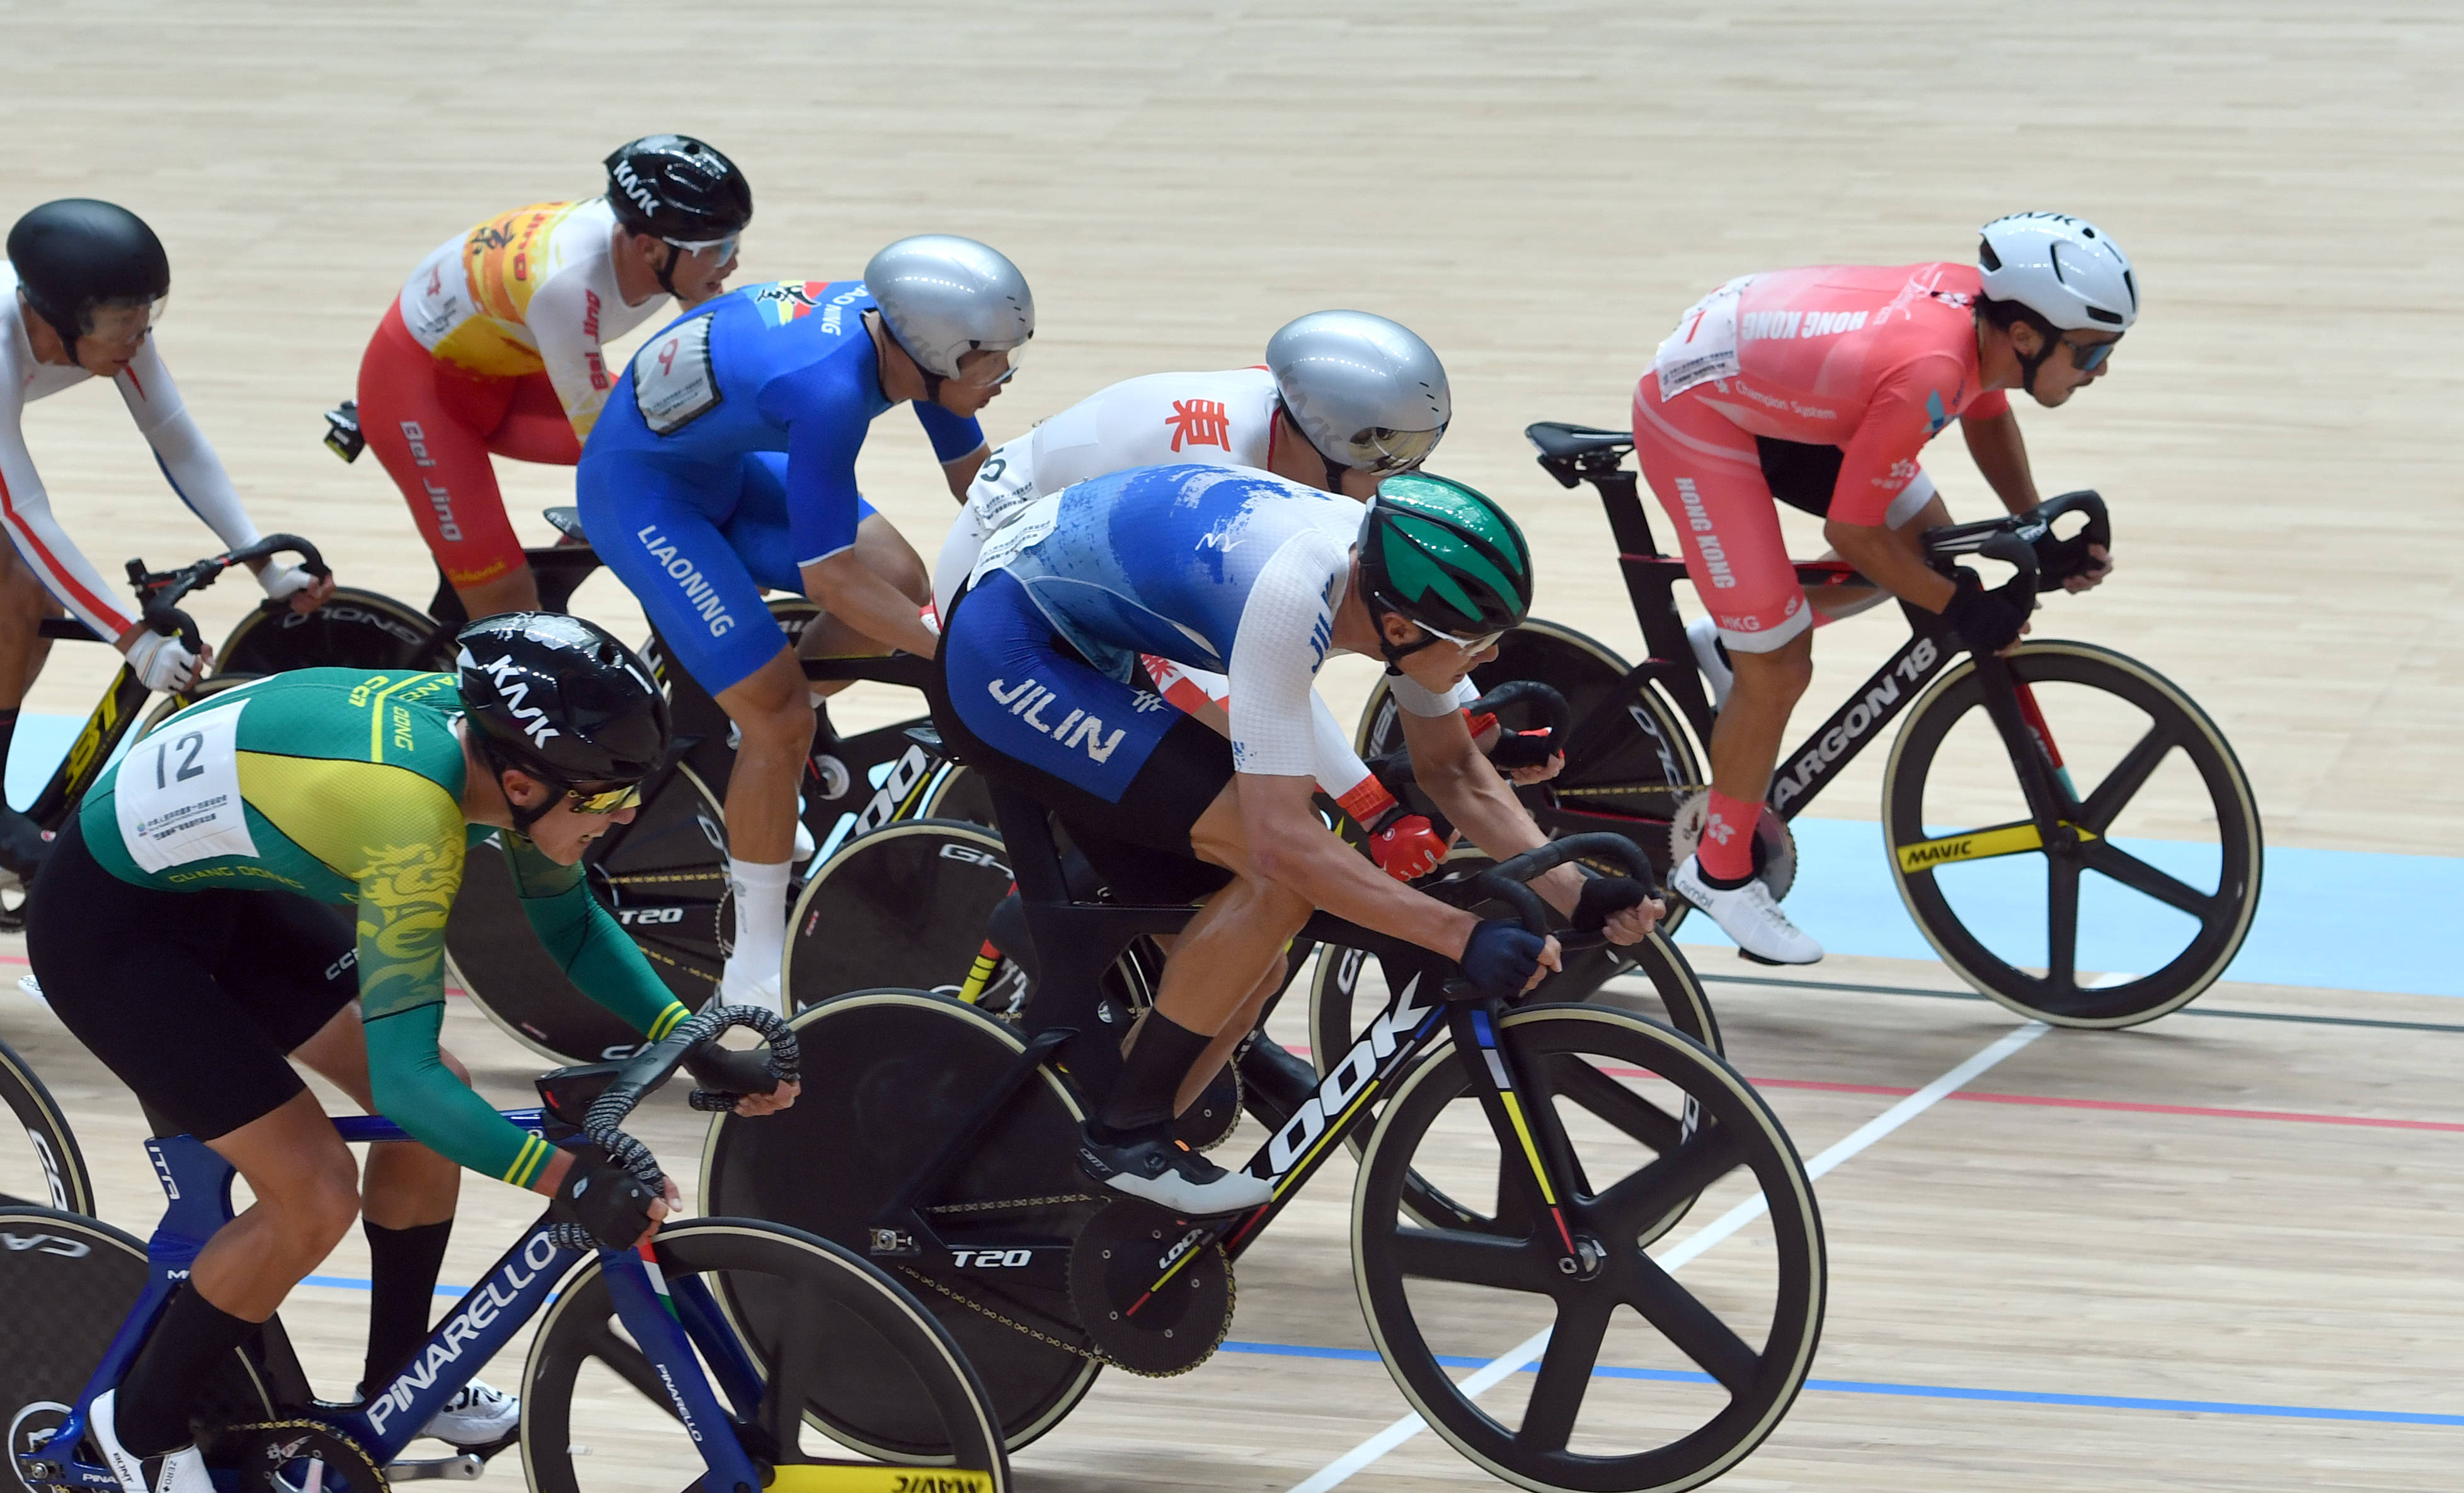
{"x":1344,"y":398}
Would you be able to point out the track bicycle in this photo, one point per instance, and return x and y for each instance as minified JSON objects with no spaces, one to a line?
{"x":939,"y":1142}
{"x":687,"y":1363}
{"x":2061,"y":775}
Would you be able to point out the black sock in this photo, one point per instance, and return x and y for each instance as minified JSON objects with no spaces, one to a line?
{"x":173,"y":1372}
{"x":7,"y":735}
{"x":1722,"y":884}
{"x":1161,"y":1056}
{"x":402,"y":1269}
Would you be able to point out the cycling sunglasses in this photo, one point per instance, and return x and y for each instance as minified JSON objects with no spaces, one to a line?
{"x":603,"y":800}
{"x":726,"y":247}
{"x":1380,"y":450}
{"x":2088,"y":357}
{"x":1472,"y":647}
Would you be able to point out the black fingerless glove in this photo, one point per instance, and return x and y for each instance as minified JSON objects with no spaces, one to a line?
{"x":730,"y":1070}
{"x":1501,"y":955}
{"x":607,"y":1202}
{"x":1522,"y":749}
{"x":1986,"y":621}
{"x":1604,"y":895}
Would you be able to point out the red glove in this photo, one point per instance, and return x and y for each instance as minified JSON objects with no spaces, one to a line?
{"x":1406,"y":846}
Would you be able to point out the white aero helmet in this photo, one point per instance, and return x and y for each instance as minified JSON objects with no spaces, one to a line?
{"x":945,"y":296}
{"x":1365,"y":391}
{"x":2061,"y":268}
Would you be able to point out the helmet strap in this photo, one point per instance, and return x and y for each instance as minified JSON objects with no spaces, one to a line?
{"x":1396,"y":653}
{"x":523,"y":818}
{"x":667,"y":272}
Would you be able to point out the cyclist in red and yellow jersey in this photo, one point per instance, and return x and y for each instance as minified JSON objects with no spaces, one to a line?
{"x":495,"y":345}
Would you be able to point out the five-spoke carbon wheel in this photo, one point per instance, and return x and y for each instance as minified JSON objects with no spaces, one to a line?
{"x":1616,"y":1375}
{"x":823,"y":1327}
{"x":2146,"y":890}
{"x":46,"y":1167}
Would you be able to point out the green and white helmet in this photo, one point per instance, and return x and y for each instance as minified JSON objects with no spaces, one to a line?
{"x":1445,"y":556}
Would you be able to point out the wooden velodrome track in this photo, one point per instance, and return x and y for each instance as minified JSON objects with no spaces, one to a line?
{"x":2251,"y":1207}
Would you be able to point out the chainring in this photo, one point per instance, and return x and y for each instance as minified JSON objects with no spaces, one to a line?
{"x":1216,"y":1113}
{"x":295,"y":1456}
{"x":1153,"y":1291}
{"x":1774,"y":842}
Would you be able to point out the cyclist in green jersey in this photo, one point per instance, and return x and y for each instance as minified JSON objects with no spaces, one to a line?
{"x":188,"y":930}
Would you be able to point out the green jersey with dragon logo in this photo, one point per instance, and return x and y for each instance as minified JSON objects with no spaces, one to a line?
{"x":345,"y":786}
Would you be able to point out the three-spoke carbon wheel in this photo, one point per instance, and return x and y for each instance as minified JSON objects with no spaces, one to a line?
{"x":2147,"y":889}
{"x":890,"y":1076}
{"x":1620,"y":1376}
{"x":46,"y":1167}
{"x":904,"y":904}
{"x":820,"y":1327}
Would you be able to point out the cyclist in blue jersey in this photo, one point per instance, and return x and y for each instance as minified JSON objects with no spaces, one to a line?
{"x":725,"y":465}
{"x":1240,"y":571}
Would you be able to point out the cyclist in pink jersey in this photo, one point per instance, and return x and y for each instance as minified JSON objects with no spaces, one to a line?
{"x":1819,"y":387}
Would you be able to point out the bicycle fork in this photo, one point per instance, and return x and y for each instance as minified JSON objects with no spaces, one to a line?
{"x":1535,"y":1166}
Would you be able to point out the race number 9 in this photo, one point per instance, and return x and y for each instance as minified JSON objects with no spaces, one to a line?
{"x":673,"y":382}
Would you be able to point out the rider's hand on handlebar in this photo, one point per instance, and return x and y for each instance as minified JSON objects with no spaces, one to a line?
{"x":2094,"y":575}
{"x":1502,"y":954}
{"x":1619,"y":906}
{"x":742,"y":1071}
{"x":1986,"y":621}
{"x":161,"y":662}
{"x":608,"y":1201}
{"x":293,"y":583}
{"x":1408,"y":848}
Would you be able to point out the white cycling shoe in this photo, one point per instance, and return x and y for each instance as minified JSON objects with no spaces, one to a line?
{"x":478,"y":1414}
{"x":183,"y":1471}
{"x":1703,"y":635}
{"x":1748,"y":914}
{"x":739,"y":990}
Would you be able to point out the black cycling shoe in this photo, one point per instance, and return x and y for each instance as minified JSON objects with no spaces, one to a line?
{"x":1156,"y":1169}
{"x":1274,"y":1082}
{"x":22,"y":846}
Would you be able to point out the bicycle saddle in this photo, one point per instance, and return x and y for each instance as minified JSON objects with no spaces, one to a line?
{"x":1567,"y":451}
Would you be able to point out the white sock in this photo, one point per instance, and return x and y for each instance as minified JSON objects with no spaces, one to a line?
{"x":761,"y":891}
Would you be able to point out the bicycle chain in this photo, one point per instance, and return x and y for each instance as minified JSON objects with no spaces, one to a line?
{"x":1012,"y":1323}
{"x":1627,"y":789}
{"x":335,"y":1434}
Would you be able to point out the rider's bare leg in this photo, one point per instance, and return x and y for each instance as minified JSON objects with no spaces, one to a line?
{"x":1746,"y":741}
{"x":24,"y":603}
{"x":884,"y":552}
{"x":514,"y":591}
{"x":1219,"y":1050}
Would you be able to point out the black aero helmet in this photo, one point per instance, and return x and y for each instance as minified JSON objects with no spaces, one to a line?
{"x":559,"y":699}
{"x":77,"y":253}
{"x":673,"y":186}
{"x":1445,"y":556}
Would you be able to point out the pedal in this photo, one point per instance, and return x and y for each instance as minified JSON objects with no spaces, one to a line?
{"x":1153,"y":1291}
{"x":464,"y":1467}
{"x":344,"y":436}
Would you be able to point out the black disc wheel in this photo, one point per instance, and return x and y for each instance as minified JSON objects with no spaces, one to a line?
{"x":1630,"y":764}
{"x":45,"y":1168}
{"x":663,"y":879}
{"x":905,"y":904}
{"x":819,"y":1326}
{"x":70,"y":1283}
{"x":2144,"y":888}
{"x":891,"y":1076}
{"x":353,"y":629}
{"x":1611,"y":1374}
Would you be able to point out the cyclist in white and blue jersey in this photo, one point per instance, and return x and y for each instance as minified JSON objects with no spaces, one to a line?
{"x":724,"y":466}
{"x":1240,"y":571}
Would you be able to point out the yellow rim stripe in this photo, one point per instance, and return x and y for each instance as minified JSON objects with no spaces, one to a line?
{"x":1531,"y":1153}
{"x":860,"y":1477}
{"x":1980,"y":845}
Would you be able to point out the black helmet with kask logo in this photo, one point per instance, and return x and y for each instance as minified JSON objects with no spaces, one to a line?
{"x":561,"y":699}
{"x":676,"y":189}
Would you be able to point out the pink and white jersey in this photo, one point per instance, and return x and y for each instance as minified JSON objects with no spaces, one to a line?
{"x":1226,"y":418}
{"x":1874,"y":359}
{"x":195,"y":473}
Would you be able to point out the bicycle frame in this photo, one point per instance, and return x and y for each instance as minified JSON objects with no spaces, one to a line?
{"x":668,"y":1322}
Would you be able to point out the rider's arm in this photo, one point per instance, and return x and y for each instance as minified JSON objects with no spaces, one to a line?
{"x":825,"y":428}
{"x":1290,"y":845}
{"x":26,"y":511}
{"x":1466,"y":788}
{"x":411,"y":865}
{"x":957,"y":443}
{"x":587,"y":944}
{"x":1991,"y":431}
{"x":563,"y":318}
{"x":1881,"y":460}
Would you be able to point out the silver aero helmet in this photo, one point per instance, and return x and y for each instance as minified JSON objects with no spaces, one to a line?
{"x":944,"y":297}
{"x":2061,"y":268}
{"x":1367,"y":392}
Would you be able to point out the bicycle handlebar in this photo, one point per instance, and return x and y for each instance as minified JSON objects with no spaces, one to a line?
{"x":160,"y":592}
{"x":2026,"y":540}
{"x":653,"y":1065}
{"x":1558,"y":716}
{"x":1505,"y":881}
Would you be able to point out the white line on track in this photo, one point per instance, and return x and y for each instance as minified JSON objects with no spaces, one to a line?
{"x":1692,"y":1247}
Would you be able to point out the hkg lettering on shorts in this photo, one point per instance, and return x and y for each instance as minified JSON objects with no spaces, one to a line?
{"x":1077,"y":728}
